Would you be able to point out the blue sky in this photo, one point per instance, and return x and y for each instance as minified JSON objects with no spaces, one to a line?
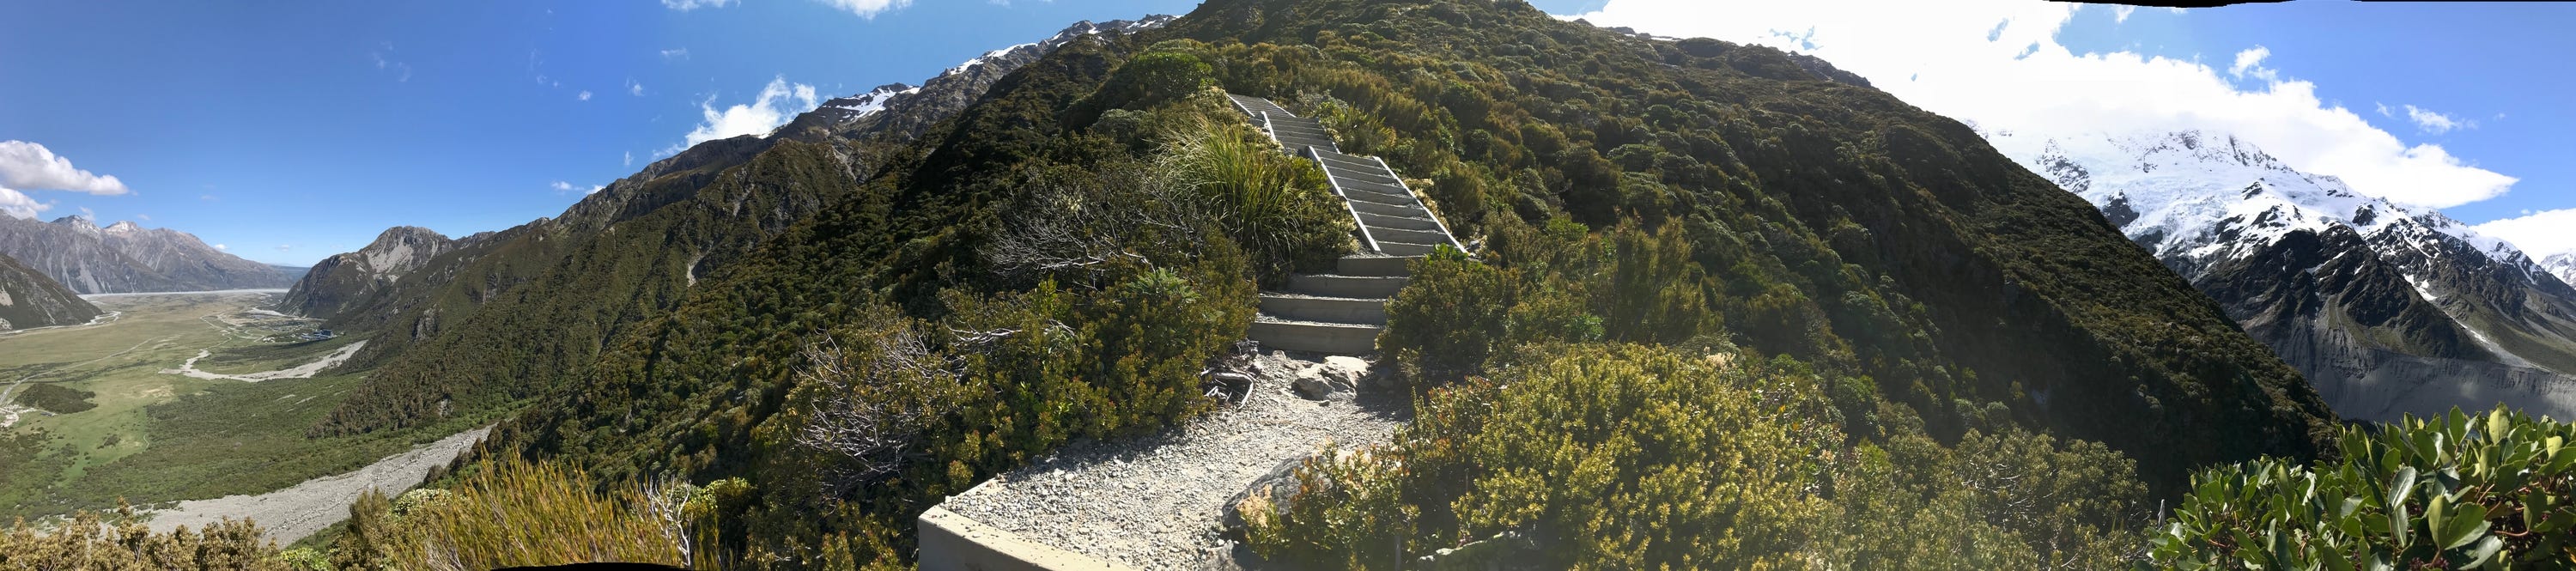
{"x":289,"y":131}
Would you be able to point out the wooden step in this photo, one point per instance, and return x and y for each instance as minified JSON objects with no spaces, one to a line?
{"x":1331,"y":285}
{"x":1413,"y":210}
{"x":1404,"y":249}
{"x":1308,"y":336}
{"x":1349,"y":310}
{"x":1399,"y":222}
{"x":1409,"y":236}
{"x":1375,"y":266}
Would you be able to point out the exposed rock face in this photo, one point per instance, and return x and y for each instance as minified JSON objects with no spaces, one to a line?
{"x":2386,"y":309}
{"x":345,"y":279}
{"x":128,"y":258}
{"x":30,"y":300}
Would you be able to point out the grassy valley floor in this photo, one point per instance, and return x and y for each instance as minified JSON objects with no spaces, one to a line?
{"x":124,"y":426}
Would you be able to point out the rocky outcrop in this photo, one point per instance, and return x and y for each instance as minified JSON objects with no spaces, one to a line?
{"x":343,"y":280}
{"x":30,"y":300}
{"x":128,"y":258}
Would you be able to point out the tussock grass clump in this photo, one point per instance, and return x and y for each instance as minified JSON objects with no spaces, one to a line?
{"x":508,"y":514}
{"x":1275,"y":205}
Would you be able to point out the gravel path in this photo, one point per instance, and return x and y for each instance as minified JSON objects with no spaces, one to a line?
{"x":1154,"y":502}
{"x":295,"y":512}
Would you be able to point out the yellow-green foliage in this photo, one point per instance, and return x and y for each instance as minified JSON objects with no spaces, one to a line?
{"x":85,"y":541}
{"x":2492,"y":491}
{"x":509,"y":514}
{"x":1640,"y":457}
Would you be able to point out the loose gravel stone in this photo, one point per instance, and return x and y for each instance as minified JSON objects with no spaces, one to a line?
{"x":1154,"y":502}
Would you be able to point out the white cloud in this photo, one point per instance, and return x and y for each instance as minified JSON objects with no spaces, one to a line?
{"x":594,"y":189}
{"x":143,"y":217}
{"x":561,"y":186}
{"x":222,"y":247}
{"x":2539,"y":234}
{"x":16,"y":204}
{"x":866,"y":8}
{"x":285,"y":247}
{"x":1954,"y":59}
{"x":777,"y":103}
{"x":687,"y":5}
{"x":31,"y":166}
{"x":630,"y":158}
{"x":2250,"y":62}
{"x":584,"y":95}
{"x":634,"y":88}
{"x":2436,"y":123}
{"x":2121,"y":13}
{"x":675,"y":53}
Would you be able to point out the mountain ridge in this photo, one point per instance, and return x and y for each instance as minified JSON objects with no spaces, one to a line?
{"x":127,"y":258}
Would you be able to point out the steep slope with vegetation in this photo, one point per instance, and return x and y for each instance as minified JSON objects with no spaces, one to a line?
{"x":30,"y":300}
{"x":1727,"y":311}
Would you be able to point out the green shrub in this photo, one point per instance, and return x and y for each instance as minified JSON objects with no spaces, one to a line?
{"x":1595,"y":456}
{"x":2451,"y":492}
{"x":121,"y":542}
{"x":57,"y":398}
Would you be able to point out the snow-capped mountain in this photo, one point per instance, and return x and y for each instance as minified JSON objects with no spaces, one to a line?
{"x":2561,"y":265}
{"x":2387,"y":308}
{"x":126,"y":257}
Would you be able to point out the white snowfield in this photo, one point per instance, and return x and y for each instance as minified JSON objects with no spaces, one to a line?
{"x":304,"y":371}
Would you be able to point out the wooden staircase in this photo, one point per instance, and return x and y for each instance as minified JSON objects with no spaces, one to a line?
{"x":1344,"y":311}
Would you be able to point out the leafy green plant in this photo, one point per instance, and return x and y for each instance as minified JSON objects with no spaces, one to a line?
{"x":2455,"y":491}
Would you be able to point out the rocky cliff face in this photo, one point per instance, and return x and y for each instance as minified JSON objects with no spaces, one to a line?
{"x":29,"y":300}
{"x":128,"y":258}
{"x":2385,"y":308}
{"x":346,"y":279}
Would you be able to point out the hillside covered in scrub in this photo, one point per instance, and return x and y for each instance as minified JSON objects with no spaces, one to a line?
{"x":1726,"y":306}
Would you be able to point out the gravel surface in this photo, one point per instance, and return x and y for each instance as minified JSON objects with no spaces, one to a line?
{"x":1154,"y":502}
{"x":292,"y":513}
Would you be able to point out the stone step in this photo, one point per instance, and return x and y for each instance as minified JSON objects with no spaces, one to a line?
{"x":1324,"y":309}
{"x":1412,"y":210}
{"x":1278,"y":125}
{"x":1332,"y":285}
{"x":1296,"y":142}
{"x":1308,"y":336}
{"x":1377,"y":266}
{"x":1409,"y":236}
{"x":1399,"y":222}
{"x":1405,"y":249}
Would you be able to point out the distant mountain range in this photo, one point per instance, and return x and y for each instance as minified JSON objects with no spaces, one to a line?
{"x":30,"y":300}
{"x":128,"y":258}
{"x":2387,"y":309}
